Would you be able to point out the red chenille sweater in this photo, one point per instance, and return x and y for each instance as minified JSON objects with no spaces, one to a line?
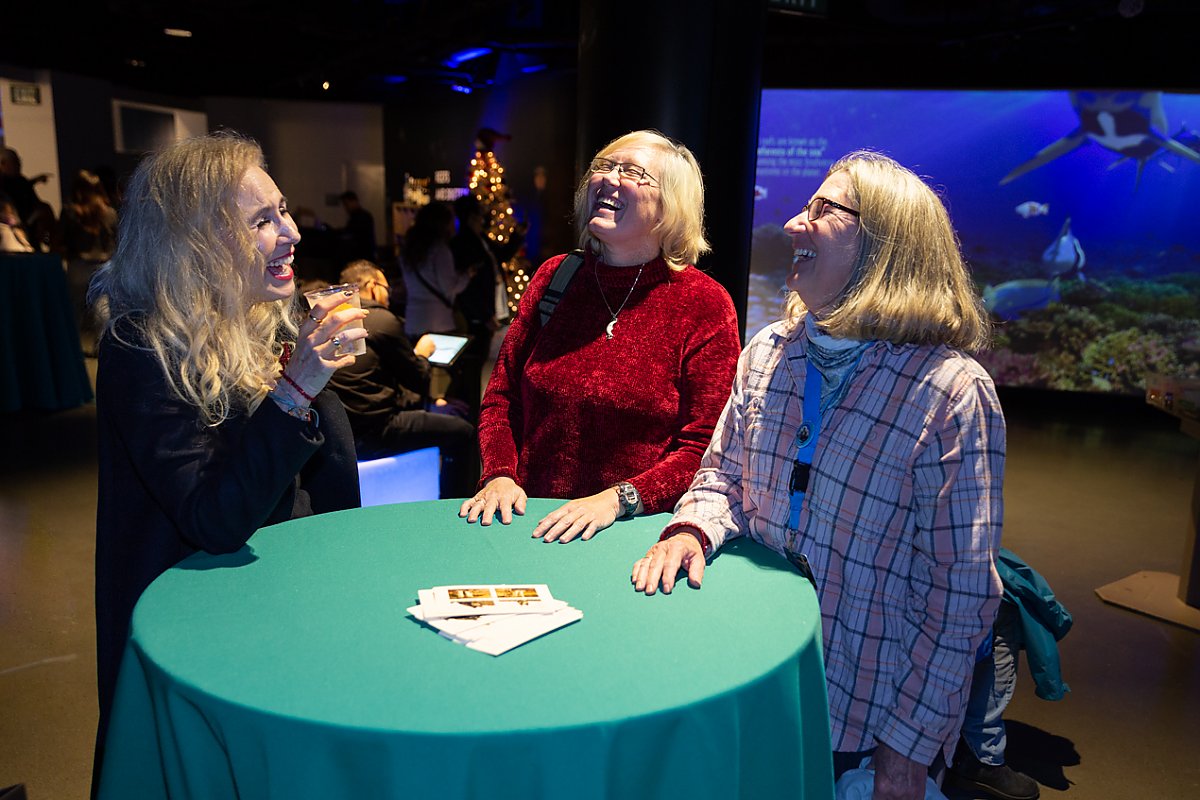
{"x":568,"y":412}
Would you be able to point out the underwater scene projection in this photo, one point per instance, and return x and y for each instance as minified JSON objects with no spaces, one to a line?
{"x":1078,"y":212}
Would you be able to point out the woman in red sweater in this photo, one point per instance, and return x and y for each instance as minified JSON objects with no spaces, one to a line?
{"x":614,"y":401}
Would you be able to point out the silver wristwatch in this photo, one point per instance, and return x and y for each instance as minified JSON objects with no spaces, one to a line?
{"x":630,"y":500}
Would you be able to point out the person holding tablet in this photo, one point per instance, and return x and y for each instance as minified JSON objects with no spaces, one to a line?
{"x":611,"y":402}
{"x":386,"y":391}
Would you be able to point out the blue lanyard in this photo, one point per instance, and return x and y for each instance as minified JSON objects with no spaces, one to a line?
{"x":806,"y":438}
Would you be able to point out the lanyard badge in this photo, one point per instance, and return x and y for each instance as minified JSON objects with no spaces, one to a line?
{"x":806,"y":442}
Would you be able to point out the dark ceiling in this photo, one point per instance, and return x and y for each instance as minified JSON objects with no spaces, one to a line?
{"x":374,"y":50}
{"x":363,"y":49}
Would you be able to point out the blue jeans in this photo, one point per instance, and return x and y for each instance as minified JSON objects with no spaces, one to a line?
{"x":992,"y":688}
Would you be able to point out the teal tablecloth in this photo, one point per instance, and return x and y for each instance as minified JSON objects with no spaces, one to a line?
{"x":291,"y":670}
{"x":41,"y":362}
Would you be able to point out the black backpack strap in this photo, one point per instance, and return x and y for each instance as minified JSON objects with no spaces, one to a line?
{"x":558,"y":284}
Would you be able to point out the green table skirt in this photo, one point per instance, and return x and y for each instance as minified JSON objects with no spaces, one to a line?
{"x":41,"y":361}
{"x":291,"y":669}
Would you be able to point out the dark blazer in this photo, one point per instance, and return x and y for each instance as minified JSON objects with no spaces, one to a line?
{"x":478,"y":300}
{"x":170,"y":485}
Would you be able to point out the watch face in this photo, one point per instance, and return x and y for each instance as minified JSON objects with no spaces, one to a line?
{"x":629,"y":498}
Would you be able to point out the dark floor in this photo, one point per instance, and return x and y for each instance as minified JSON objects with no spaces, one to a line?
{"x":1094,"y":491}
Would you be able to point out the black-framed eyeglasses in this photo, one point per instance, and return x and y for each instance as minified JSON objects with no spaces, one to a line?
{"x":816,"y":207}
{"x":626,"y":170}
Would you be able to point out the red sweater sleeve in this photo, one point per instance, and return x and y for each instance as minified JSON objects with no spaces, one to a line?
{"x":709,"y":362}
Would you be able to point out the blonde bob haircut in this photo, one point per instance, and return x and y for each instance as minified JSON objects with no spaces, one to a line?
{"x":181,"y":273}
{"x":680,"y":191}
{"x":910,"y":284}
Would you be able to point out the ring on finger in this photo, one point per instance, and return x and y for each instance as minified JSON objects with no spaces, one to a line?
{"x":337,"y":343}
{"x":314,"y":319}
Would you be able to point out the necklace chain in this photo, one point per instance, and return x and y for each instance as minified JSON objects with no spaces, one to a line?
{"x":608,"y":329}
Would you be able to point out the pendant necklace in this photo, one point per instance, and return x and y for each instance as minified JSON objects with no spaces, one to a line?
{"x":608,"y":329}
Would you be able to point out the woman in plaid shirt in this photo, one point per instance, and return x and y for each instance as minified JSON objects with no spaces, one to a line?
{"x":901,"y":518}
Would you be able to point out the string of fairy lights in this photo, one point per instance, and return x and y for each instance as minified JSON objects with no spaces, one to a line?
{"x":487,"y":184}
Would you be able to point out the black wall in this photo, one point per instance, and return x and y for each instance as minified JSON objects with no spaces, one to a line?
{"x":432,"y":127}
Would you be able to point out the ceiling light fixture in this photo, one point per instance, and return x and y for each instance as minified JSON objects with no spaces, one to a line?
{"x":467,"y":55}
{"x":325,"y":85}
{"x":182,"y":33}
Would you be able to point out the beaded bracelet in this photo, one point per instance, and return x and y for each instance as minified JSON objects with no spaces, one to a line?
{"x":296,"y":386}
{"x":299,"y":412}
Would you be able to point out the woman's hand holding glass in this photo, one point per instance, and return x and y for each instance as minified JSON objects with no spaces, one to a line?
{"x":664,"y":559}
{"x":498,"y":494}
{"x":325,"y":344}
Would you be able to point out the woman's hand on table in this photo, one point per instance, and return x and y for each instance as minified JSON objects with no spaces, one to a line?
{"x":662,"y":563}
{"x":897,"y":777}
{"x":317,"y":356}
{"x":583,"y":517}
{"x":498,"y":494}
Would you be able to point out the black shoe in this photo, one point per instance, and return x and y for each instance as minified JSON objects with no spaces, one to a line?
{"x":1002,"y":781}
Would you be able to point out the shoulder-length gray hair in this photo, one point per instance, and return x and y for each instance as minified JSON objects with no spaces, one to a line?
{"x":681,"y":193}
{"x":179,"y":276}
{"x":910,"y":284}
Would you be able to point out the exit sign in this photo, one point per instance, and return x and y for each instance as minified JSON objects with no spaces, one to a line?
{"x":26,"y":94}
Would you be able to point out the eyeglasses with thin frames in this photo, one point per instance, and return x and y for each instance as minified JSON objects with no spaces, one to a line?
{"x":816,"y":207}
{"x":626,"y":170}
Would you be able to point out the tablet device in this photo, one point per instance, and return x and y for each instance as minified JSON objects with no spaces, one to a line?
{"x":449,"y":348}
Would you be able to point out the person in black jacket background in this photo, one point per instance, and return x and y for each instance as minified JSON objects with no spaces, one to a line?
{"x":386,"y":392}
{"x":211,"y":415}
{"x":477,"y":302}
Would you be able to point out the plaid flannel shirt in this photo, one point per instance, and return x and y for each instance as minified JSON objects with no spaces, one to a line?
{"x":900,"y":524}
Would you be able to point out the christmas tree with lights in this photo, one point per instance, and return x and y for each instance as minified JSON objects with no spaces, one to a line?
{"x":500,"y":224}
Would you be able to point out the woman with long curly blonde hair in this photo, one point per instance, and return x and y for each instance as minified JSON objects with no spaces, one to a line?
{"x":212,"y":417}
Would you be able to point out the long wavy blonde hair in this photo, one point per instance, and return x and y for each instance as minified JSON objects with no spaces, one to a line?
{"x":180,"y":276}
{"x":910,"y":284}
{"x":681,"y":191}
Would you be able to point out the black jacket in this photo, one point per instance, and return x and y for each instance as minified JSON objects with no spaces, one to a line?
{"x":170,"y":486}
{"x":478,"y":300}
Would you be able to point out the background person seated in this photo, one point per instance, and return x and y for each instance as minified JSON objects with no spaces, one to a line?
{"x":12,"y":234}
{"x":385,"y":392}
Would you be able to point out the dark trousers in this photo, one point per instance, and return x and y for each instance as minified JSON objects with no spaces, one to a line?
{"x":406,"y":431}
{"x":467,"y":384}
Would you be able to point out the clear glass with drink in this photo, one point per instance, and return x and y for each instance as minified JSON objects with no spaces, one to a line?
{"x":351,"y":301}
